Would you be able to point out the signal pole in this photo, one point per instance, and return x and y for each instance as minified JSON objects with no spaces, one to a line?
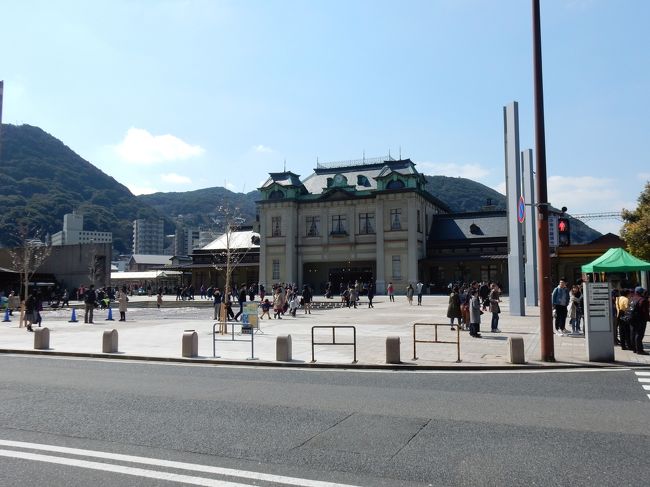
{"x":543,"y":256}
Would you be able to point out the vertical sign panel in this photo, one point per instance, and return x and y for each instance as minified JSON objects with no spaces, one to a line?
{"x":530,"y":229}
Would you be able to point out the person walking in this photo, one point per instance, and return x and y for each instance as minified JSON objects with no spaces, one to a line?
{"x":495,"y":309}
{"x":453,"y":308}
{"x":90,"y":299}
{"x":278,"y":303}
{"x":639,"y":316}
{"x":30,"y":312}
{"x":560,"y":301}
{"x":122,"y":299}
{"x":418,"y":290}
{"x":306,"y":299}
{"x":391,"y":292}
{"x":241,"y":299}
{"x":409,"y":293}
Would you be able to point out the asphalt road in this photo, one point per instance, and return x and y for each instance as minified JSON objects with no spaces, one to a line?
{"x":70,"y":422}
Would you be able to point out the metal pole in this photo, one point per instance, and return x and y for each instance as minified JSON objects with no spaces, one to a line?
{"x":543,"y":257}
{"x":458,"y":342}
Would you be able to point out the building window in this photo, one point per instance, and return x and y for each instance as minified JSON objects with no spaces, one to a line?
{"x":276,"y":270}
{"x":419,"y":223}
{"x":366,"y":223}
{"x":395,"y":219}
{"x":276,"y":226}
{"x":313,"y":226}
{"x":339,"y":226}
{"x":397,"y":267}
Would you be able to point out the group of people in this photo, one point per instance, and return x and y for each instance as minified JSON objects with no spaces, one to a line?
{"x":568,"y":303}
{"x":632,"y":315}
{"x":468,"y":302}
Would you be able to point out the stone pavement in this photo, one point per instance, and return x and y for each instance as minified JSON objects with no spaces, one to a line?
{"x":157,"y":334}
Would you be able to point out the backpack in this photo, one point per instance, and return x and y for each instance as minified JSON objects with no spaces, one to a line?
{"x":633,"y":311}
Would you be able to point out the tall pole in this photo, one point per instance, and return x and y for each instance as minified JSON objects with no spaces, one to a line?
{"x":543,"y":257}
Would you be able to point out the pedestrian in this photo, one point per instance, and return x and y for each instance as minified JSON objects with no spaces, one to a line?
{"x":409,"y":293}
{"x":159,"y":299}
{"x":65,"y":299}
{"x":418,"y":290}
{"x":266,"y":307}
{"x":241,"y":299}
{"x":622,"y":303}
{"x":560,"y":301}
{"x":391,"y":292}
{"x":306,"y":298}
{"x":474,"y":314}
{"x":639,"y":316}
{"x":216,"y":296}
{"x":572,"y":310}
{"x":453,"y":308}
{"x":371,"y":293}
{"x":294,"y":304}
{"x":90,"y":299}
{"x":495,"y":309}
{"x":278,"y":303}
{"x":122,"y":299}
{"x":30,"y":312}
{"x":39,"y":307}
{"x":484,"y":295}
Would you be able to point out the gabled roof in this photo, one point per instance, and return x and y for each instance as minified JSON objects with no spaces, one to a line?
{"x":286,"y":178}
{"x":150,"y":259}
{"x":237,"y":240}
{"x":469,"y":226}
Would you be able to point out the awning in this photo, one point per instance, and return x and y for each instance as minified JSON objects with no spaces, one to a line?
{"x":616,"y":260}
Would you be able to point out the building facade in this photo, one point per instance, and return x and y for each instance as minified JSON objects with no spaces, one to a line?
{"x":148,"y":236}
{"x":356,"y":220}
{"x":73,"y":232}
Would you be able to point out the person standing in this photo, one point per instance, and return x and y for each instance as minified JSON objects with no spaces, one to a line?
{"x":495,"y":309}
{"x":474,"y":314}
{"x":391,"y":292}
{"x":639,"y":319}
{"x":409,"y":293}
{"x":560,"y":301}
{"x":371,"y":293}
{"x":30,"y":312}
{"x":159,"y":299}
{"x":90,"y":298}
{"x":622,"y":303}
{"x":122,"y":299}
{"x":418,"y":290}
{"x":306,"y":299}
{"x":453,"y":308}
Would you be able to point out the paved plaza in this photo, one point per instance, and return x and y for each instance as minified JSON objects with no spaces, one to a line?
{"x":157,"y":334}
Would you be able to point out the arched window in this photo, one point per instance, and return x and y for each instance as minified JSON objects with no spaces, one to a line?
{"x":276,"y":195}
{"x":395,"y":184}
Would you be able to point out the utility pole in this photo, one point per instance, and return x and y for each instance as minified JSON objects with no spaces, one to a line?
{"x":543,"y":257}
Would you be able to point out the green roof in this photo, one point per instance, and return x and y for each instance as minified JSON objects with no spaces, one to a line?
{"x":616,"y":260}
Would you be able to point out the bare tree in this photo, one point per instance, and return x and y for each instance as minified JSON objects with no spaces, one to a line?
{"x":233,"y":252}
{"x":28,"y":255}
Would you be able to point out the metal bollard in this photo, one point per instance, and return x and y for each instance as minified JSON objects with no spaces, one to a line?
{"x":283,"y":348}
{"x":190,"y":343}
{"x":516,"y":350}
{"x":393,"y":350}
{"x":41,"y":338}
{"x":109,"y":341}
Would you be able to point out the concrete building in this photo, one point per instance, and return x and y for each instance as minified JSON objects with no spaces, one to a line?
{"x":73,"y":232}
{"x":352,"y":220}
{"x":186,"y":240}
{"x":148,"y":236}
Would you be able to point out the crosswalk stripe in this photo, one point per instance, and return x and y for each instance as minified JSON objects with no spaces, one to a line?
{"x":643,"y":373}
{"x":641,"y":379}
{"x":172,"y":464}
{"x":647,"y":388}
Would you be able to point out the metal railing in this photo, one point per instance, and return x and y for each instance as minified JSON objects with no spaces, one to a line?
{"x":435,"y":338}
{"x":334,"y":342}
{"x":233,"y":339}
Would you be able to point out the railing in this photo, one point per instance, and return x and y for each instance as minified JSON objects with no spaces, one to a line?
{"x":334,"y":342}
{"x":435,"y":338}
{"x":233,"y":339}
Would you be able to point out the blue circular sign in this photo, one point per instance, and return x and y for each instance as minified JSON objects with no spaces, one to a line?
{"x":521,"y":210}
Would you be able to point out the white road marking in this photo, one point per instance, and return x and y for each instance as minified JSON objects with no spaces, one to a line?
{"x":169,"y":464}
{"x":647,"y":379}
{"x":647,"y":388}
{"x":107,"y":467}
{"x":643,"y":373}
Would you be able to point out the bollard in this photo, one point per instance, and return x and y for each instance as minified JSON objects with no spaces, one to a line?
{"x":109,"y":341}
{"x":392,"y":350}
{"x":41,"y":339}
{"x":516,"y":350}
{"x":283,"y":348}
{"x":190,"y":343}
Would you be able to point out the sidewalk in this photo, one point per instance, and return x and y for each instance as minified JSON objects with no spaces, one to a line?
{"x":157,"y":334}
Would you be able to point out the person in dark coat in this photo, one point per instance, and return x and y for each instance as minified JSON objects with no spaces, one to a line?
{"x":474,"y":314}
{"x":453,"y":308}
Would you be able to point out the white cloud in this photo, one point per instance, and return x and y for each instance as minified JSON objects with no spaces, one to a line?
{"x":501,"y":187}
{"x":139,"y":146}
{"x":175,"y":178}
{"x":469,"y":171}
{"x":586,"y":194}
{"x":138,"y":190}
{"x":230,"y":186}
{"x":262,"y":148}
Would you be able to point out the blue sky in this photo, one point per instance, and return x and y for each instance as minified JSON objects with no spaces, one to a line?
{"x":181,"y":95}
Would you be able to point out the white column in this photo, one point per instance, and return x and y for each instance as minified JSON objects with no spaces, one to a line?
{"x":290,"y":216}
{"x":530,"y":228}
{"x":412,"y":257}
{"x":263,"y":235}
{"x":380,"y":258}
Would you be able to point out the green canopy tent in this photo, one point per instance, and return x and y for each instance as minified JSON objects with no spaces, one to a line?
{"x":616,"y":260}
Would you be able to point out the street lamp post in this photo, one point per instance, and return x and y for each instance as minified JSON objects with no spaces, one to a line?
{"x":543,"y":257}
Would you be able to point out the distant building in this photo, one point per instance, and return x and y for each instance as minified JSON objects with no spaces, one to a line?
{"x":147,"y":262}
{"x":148,"y":236}
{"x":73,"y":232}
{"x":186,"y":240}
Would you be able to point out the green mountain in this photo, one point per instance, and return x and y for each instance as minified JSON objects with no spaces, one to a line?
{"x":41,"y":179}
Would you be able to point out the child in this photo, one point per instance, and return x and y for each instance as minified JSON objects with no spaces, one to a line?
{"x":294,"y":304}
{"x":266,"y":308}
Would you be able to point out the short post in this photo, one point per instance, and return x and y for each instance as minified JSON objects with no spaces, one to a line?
{"x":516,"y":350}
{"x":41,"y":339}
{"x":283,"y":348}
{"x":190,"y":343}
{"x":252,"y":357}
{"x":393,"y":350}
{"x":109,"y":341}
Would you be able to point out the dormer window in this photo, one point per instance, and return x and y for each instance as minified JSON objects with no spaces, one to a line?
{"x":362,"y":181}
{"x":276,"y":195}
{"x":395,"y":184}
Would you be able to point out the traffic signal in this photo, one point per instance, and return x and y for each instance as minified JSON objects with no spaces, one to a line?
{"x":564,"y":231}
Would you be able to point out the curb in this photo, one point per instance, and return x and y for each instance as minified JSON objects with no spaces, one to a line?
{"x":325,"y":365}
